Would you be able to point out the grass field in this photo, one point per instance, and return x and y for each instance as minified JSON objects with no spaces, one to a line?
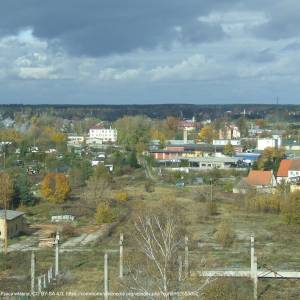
{"x":277,"y":244}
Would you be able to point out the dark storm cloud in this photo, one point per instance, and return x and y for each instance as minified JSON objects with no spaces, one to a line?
{"x":102,"y":27}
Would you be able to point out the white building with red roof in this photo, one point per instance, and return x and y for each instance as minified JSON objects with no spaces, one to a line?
{"x":289,"y":171}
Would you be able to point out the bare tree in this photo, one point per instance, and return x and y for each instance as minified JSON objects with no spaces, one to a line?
{"x":159,"y":266}
{"x":97,"y":190}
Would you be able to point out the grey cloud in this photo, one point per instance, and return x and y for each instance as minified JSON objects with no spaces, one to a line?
{"x":95,"y":28}
{"x":197,"y":32}
{"x":291,"y":47}
{"x":263,"y":56}
{"x":284,"y":20}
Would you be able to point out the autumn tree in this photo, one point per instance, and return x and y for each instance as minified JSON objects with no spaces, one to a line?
{"x":243,"y":126}
{"x":270,"y":159}
{"x":97,"y":190}
{"x":6,"y":189}
{"x":10,"y":135}
{"x":171,"y":124}
{"x":133,"y":132}
{"x":262,"y":123}
{"x":157,"y":134}
{"x":229,"y":149}
{"x":55,"y":187}
{"x":105,"y":214}
{"x":207,"y":134}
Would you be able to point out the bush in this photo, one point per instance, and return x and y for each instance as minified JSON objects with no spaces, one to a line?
{"x":228,"y":186}
{"x":291,"y":208}
{"x":105,"y":214}
{"x":227,"y":288}
{"x":121,"y":196}
{"x":264,"y":203}
{"x":225,"y":234}
{"x":149,"y":187}
{"x":68,"y":230}
{"x":207,"y":210}
{"x":211,"y":208}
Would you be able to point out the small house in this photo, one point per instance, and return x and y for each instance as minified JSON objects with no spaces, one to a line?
{"x":15,"y":223}
{"x":289,"y":171}
{"x":261,"y":181}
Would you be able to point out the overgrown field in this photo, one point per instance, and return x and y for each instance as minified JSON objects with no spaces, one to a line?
{"x":219,"y":238}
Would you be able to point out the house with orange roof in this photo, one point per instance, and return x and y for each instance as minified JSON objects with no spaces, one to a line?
{"x":289,"y":171}
{"x":262,"y":181}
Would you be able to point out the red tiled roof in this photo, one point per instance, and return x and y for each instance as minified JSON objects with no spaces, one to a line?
{"x":295,"y":166}
{"x":284,"y":168}
{"x":259,"y":177}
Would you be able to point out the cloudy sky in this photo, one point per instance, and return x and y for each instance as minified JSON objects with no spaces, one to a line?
{"x":149,"y":51}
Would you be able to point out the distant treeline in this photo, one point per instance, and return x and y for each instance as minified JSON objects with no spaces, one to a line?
{"x":159,"y":111}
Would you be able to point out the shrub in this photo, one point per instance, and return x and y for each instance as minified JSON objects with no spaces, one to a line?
{"x":225,"y":234}
{"x":211,"y":208}
{"x":149,"y":186}
{"x":291,"y":208}
{"x":206,"y":210}
{"x":68,"y":230}
{"x":105,"y":214}
{"x":121,"y":196}
{"x":264,"y":203}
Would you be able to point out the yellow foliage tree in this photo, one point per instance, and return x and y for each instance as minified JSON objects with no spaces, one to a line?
{"x":228,"y":149}
{"x":10,"y":135}
{"x":55,"y":187}
{"x":55,"y":136}
{"x":270,"y":157}
{"x":157,"y":134}
{"x":104,"y":214}
{"x":207,"y":133}
{"x":6,"y":189}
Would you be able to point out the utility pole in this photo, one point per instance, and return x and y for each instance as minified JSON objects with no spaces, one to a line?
{"x":32,"y":271}
{"x":211,"y":190}
{"x":180,"y":268}
{"x":253,"y":268}
{"x":50,"y":274}
{"x":56,"y":253}
{"x":5,"y":198}
{"x":5,"y":230}
{"x":39,"y":284}
{"x":186,"y":256}
{"x":4,"y":159}
{"x":121,"y":255}
{"x":105,"y":276}
{"x":44,"y":281}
